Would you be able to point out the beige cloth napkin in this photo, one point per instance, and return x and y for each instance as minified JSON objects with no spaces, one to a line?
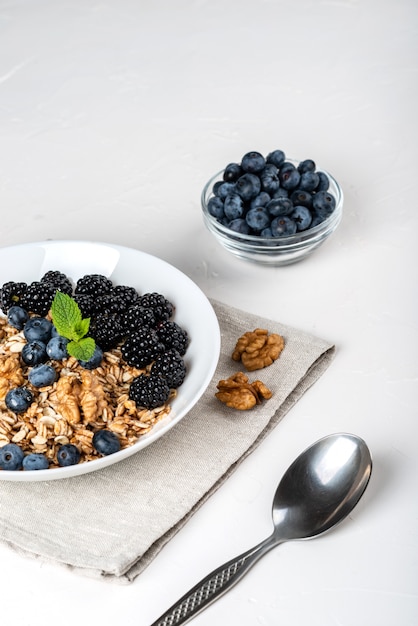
{"x":113,"y":522}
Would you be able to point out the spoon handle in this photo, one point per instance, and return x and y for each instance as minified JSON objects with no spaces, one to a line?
{"x":213,"y":586}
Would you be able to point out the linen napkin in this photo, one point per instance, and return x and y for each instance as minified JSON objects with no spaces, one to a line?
{"x":111,"y":523}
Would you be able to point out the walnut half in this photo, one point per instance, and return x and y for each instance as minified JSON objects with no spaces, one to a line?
{"x":79,"y":400}
{"x":10,"y":374}
{"x":257,"y":349}
{"x":237,"y":393}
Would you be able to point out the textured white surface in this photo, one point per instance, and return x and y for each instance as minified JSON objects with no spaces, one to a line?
{"x":113,"y":114}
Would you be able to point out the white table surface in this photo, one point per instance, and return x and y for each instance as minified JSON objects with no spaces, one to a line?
{"x":113,"y":114}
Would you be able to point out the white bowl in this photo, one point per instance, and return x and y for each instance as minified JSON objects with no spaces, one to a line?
{"x":194,"y":313}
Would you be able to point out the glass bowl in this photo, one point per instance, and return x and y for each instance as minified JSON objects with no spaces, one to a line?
{"x":273,"y":251}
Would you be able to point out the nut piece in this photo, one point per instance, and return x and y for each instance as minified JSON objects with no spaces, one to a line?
{"x":237,"y":393}
{"x":10,"y":374}
{"x":68,"y":391}
{"x":92,"y":397}
{"x":258,"y":349}
{"x":79,"y":397}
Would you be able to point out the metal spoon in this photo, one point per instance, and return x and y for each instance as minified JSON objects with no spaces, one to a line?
{"x":319,"y":489}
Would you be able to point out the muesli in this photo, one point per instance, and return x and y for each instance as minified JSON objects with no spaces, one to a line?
{"x":104,"y":372}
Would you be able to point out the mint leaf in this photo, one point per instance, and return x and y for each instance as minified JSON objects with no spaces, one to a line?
{"x":69,"y":322}
{"x":66,"y":315}
{"x":81,"y":329}
{"x":83,"y":349}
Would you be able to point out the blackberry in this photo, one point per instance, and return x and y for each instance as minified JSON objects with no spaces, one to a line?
{"x":171,"y":367}
{"x":173,"y":337}
{"x":59,"y":280}
{"x":162,"y":308}
{"x":11,"y":294}
{"x":137,"y":317}
{"x":149,"y":392}
{"x":105,"y":303}
{"x":128,"y":294}
{"x":38,"y":297}
{"x":85,"y":303}
{"x":93,"y":284}
{"x":115,"y":302}
{"x":142,"y":347}
{"x":105,"y":330}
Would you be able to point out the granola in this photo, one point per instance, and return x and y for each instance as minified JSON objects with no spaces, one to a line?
{"x":73,"y":408}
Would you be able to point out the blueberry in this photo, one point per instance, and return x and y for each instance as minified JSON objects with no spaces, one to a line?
{"x":257,"y":219}
{"x":56,"y":348}
{"x":239,"y":226}
{"x":35,"y":461}
{"x":306,"y":166}
{"x":302,"y":216}
{"x":34,"y":353}
{"x":279,"y":206}
{"x":233,"y":206}
{"x":42,"y":375}
{"x":270,"y":180}
{"x":216,"y":207}
{"x":68,"y":454}
{"x":17,"y":317}
{"x":281,"y":193}
{"x":301,"y":197}
{"x":232,"y":172}
{"x":309,"y":181}
{"x":94,"y":361}
{"x":37,"y":328}
{"x":323,"y":184}
{"x":11,"y":457}
{"x":289,"y":177}
{"x":19,"y":399}
{"x":269,"y":170}
{"x":287,"y":166}
{"x":248,"y":186}
{"x":283,"y":226}
{"x":106,"y":442}
{"x":224,"y":189}
{"x":324,"y":203}
{"x":316,"y":219}
{"x":260,"y":200}
{"x":216,"y":187}
{"x":271,"y":196}
{"x":253,"y":162}
{"x":277,"y":157}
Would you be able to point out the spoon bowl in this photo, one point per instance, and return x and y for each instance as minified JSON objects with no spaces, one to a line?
{"x":321,"y":487}
{"x":318,"y":490}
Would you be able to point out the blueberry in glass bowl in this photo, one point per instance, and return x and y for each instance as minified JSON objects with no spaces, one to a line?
{"x":272,"y":210}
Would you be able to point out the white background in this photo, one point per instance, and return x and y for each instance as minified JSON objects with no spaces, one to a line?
{"x":113,"y":114}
